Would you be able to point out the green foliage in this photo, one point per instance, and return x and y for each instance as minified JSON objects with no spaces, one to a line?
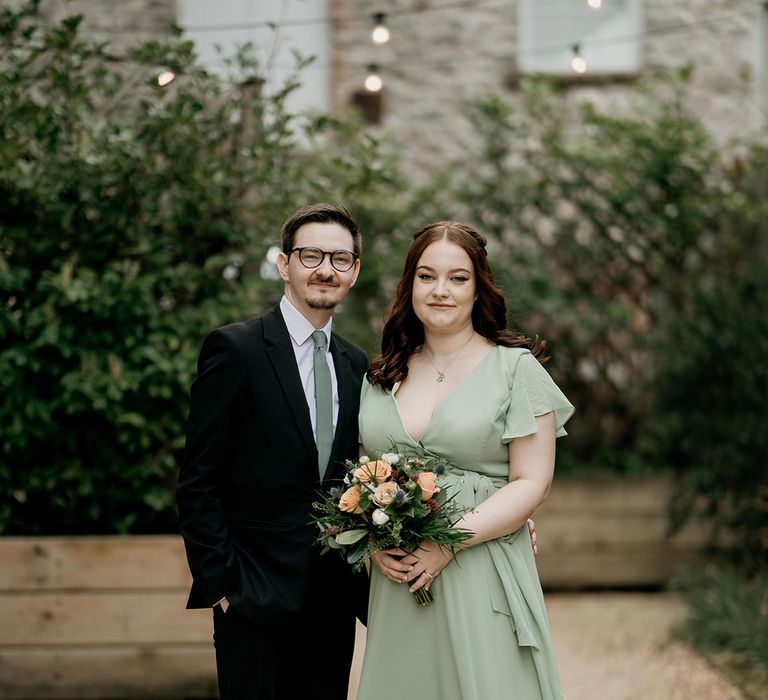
{"x":711,"y":409}
{"x":728,"y":621}
{"x":133,"y":220}
{"x":605,"y":222}
{"x":636,"y":246}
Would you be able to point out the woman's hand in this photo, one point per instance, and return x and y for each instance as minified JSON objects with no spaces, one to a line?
{"x":389,"y":562}
{"x":534,"y":539}
{"x":425,"y":564}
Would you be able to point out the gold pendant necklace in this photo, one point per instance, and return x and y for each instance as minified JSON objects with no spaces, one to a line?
{"x":441,"y":373}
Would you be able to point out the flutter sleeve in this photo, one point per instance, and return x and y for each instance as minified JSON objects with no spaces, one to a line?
{"x":532,"y":393}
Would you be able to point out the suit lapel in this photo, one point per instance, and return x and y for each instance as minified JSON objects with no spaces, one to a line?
{"x":280,"y":352}
{"x":347,"y":400}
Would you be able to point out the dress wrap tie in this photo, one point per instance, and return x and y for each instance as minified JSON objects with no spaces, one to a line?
{"x":511,"y":562}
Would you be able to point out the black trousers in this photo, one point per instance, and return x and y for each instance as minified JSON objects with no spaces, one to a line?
{"x":306,"y":658}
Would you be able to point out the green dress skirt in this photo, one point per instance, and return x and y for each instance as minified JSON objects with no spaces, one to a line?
{"x":486,"y":635}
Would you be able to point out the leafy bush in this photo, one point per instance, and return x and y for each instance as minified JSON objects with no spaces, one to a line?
{"x":728,"y":622}
{"x":637,"y":247}
{"x":607,"y":222}
{"x":134,"y":219}
{"x":710,"y":414}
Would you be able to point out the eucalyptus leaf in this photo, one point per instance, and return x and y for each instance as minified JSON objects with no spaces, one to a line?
{"x":350,"y":536}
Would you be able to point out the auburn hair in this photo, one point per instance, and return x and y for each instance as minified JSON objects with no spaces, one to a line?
{"x":403,"y":332}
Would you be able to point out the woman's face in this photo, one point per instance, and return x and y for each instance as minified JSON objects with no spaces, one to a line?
{"x":444,"y":288}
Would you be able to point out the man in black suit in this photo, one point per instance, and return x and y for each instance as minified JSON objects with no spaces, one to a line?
{"x":268,"y":428}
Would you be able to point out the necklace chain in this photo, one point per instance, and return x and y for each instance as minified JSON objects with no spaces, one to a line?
{"x":441,"y":373}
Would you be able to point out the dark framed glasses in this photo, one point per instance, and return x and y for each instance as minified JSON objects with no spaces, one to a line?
{"x":341,"y":260}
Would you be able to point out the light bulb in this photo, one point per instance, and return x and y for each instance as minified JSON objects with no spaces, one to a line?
{"x":373,"y":83}
{"x":380,"y":34}
{"x":165,"y":78}
{"x":595,"y":4}
{"x":578,"y":64}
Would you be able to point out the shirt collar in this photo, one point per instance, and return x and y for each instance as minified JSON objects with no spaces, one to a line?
{"x":299,"y":328}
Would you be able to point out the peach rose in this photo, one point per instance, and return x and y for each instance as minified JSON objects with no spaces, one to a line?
{"x":378,"y":471}
{"x":385,"y":493}
{"x":350,"y":500}
{"x":426,"y":480}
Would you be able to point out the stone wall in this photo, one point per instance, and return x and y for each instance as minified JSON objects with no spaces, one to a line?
{"x":122,"y":24}
{"x":440,"y":57}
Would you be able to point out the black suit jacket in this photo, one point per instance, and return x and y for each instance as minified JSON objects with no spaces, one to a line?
{"x":249,"y":473}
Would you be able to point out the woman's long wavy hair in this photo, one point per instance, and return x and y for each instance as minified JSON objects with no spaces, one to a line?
{"x":403,"y":332}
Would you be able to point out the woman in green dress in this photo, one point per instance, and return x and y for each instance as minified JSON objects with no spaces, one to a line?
{"x":454,"y":382}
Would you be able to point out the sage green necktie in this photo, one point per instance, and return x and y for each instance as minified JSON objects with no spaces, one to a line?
{"x":323,"y":403}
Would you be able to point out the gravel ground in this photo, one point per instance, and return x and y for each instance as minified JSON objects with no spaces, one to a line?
{"x":619,"y":646}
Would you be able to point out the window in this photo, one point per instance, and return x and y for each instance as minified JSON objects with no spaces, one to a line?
{"x":301,"y":26}
{"x":605,"y":34}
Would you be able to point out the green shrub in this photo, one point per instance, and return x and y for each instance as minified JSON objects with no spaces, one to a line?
{"x":133,"y":220}
{"x":637,"y":247}
{"x":710,"y":415}
{"x":728,"y":622}
{"x":606,"y":222}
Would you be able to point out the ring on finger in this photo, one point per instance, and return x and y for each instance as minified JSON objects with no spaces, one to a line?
{"x":429,"y":575}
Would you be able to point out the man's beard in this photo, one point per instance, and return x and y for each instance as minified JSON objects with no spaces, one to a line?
{"x":321,"y":303}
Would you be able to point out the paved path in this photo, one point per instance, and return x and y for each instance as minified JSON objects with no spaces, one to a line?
{"x":619,"y":646}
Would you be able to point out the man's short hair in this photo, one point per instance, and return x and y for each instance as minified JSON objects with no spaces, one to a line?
{"x":320,"y":213}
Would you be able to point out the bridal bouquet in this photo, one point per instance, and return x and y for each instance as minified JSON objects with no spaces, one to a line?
{"x":389,"y":502}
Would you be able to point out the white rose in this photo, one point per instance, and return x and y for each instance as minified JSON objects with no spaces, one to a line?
{"x":391,"y":457}
{"x":379,"y":517}
{"x":364,"y":460}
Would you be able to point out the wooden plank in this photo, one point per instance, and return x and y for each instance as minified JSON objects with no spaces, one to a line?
{"x":84,"y":618}
{"x":610,"y":495}
{"x":126,"y":672}
{"x":598,"y":531}
{"x":571,"y":570}
{"x":93,"y":563}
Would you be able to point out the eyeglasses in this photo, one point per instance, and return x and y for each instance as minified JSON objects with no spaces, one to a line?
{"x":341,"y":260}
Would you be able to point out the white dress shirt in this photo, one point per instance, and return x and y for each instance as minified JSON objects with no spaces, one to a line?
{"x":301,"y":331}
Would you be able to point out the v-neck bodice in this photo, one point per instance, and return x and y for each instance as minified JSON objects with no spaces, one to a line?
{"x":496,"y":402}
{"x":455,"y":390}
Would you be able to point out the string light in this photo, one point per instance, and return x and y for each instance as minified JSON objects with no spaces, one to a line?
{"x":578,"y":64}
{"x":595,"y":4}
{"x":380,"y":34}
{"x":373,"y":83}
{"x":166,"y":78}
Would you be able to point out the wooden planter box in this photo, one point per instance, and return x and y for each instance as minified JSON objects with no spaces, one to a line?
{"x":104,"y":617}
{"x":611,"y":533}
{"x":100,"y":617}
